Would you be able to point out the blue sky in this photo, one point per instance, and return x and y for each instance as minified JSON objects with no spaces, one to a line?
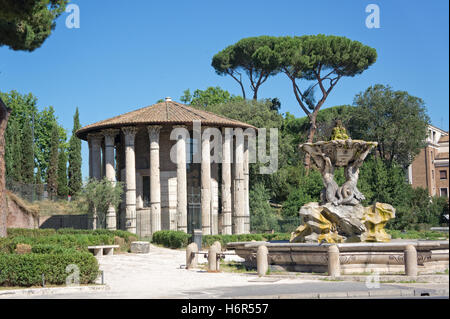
{"x":127,"y":55}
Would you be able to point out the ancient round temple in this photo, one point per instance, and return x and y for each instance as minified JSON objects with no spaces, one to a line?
{"x":173,"y":178}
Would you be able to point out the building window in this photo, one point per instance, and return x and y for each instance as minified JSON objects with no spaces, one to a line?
{"x":443,"y":174}
{"x":444,"y":192}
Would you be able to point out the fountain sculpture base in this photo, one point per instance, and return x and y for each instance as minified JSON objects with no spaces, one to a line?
{"x":343,"y":223}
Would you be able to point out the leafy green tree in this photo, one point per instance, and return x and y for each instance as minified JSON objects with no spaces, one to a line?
{"x":25,"y":25}
{"x":63,"y":189}
{"x":324,"y":60}
{"x":52,"y":172}
{"x":13,"y":154}
{"x":210,"y":96}
{"x":255,"y":56}
{"x":99,"y":195}
{"x":395,"y":119}
{"x":27,"y":154}
{"x":75,"y":178}
{"x":4,"y":116}
{"x":24,"y":108}
{"x":263,"y":217}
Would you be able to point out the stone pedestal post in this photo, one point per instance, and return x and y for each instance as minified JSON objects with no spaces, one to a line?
{"x":262,"y":262}
{"x":239,"y":203}
{"x":130,"y":179}
{"x":110,"y":171}
{"x":334,"y":265}
{"x":410,"y":260}
{"x":155,"y":181}
{"x":191,"y":256}
{"x":181,"y":181}
{"x":206,"y":185}
{"x":226,"y":182}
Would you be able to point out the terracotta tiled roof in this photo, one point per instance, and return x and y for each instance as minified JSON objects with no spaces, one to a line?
{"x":443,"y":139}
{"x":167,"y":112}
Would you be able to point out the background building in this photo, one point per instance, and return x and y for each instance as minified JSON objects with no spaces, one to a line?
{"x":430,"y":167}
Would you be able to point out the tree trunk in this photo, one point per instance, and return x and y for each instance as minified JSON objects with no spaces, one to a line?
{"x":4,"y":115}
{"x":311,"y":133}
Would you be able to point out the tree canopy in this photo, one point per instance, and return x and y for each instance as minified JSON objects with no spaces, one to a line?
{"x":254,"y":56}
{"x":395,"y":119}
{"x":210,"y":96}
{"x":26,"y":24}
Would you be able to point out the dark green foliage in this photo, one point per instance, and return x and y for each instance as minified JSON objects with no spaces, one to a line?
{"x":24,"y":108}
{"x":13,"y":154}
{"x":210,"y":96}
{"x":74,"y":171}
{"x":26,"y":270}
{"x":256,"y":56}
{"x":63,"y":189}
{"x":263,"y":217}
{"x":25,"y":25}
{"x":171,"y":238}
{"x":27,"y":154}
{"x":396,"y":120}
{"x":52,"y":173}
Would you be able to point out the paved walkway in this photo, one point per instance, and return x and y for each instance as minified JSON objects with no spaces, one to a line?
{"x":161,"y":274}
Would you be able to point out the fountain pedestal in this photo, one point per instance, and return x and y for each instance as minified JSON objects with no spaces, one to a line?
{"x":343,"y":223}
{"x":340,"y":217}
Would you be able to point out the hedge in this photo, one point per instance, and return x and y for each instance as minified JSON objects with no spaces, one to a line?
{"x":66,"y":237}
{"x":178,"y":239}
{"x":171,"y":238}
{"x":26,"y":270}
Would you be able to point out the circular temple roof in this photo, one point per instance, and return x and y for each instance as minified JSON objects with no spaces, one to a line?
{"x":164,"y":113}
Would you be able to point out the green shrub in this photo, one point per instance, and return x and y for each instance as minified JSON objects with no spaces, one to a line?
{"x":50,"y":249}
{"x":171,"y":238}
{"x":26,"y":270}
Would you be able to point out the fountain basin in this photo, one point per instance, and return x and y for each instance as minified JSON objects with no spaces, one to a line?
{"x":384,"y":258}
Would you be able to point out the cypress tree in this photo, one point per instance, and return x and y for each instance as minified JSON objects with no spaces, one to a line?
{"x":52,"y":172}
{"x":63,"y":190}
{"x":13,"y":154}
{"x":27,"y":154}
{"x":75,"y":178}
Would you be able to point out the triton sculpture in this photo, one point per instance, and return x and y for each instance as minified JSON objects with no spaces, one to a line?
{"x":340,"y":217}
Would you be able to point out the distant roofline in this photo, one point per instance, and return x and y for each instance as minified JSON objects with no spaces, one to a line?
{"x":438,"y":129}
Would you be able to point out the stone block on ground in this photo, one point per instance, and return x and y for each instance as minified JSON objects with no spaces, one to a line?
{"x":23,"y":249}
{"x":140,"y":247}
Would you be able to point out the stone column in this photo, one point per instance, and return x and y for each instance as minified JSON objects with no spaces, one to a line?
{"x":130,"y":179}
{"x":103,"y":160}
{"x":110,"y":171}
{"x":181,"y":182}
{"x":206,"y":185}
{"x":155,"y":181}
{"x":95,"y":141}
{"x":246,"y":187}
{"x":239,"y":203}
{"x":90,"y":156}
{"x":96,"y":144}
{"x":226,"y":183}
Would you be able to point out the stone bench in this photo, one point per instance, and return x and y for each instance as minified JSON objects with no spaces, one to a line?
{"x":103,"y":250}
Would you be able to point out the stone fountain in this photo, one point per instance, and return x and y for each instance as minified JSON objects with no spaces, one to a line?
{"x":340,"y":217}
{"x":342,"y":226}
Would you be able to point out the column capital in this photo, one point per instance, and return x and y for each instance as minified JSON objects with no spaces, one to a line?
{"x":153,"y":131}
{"x":95,"y":136}
{"x":129,"y":130}
{"x":180,"y":126}
{"x":110,"y":132}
